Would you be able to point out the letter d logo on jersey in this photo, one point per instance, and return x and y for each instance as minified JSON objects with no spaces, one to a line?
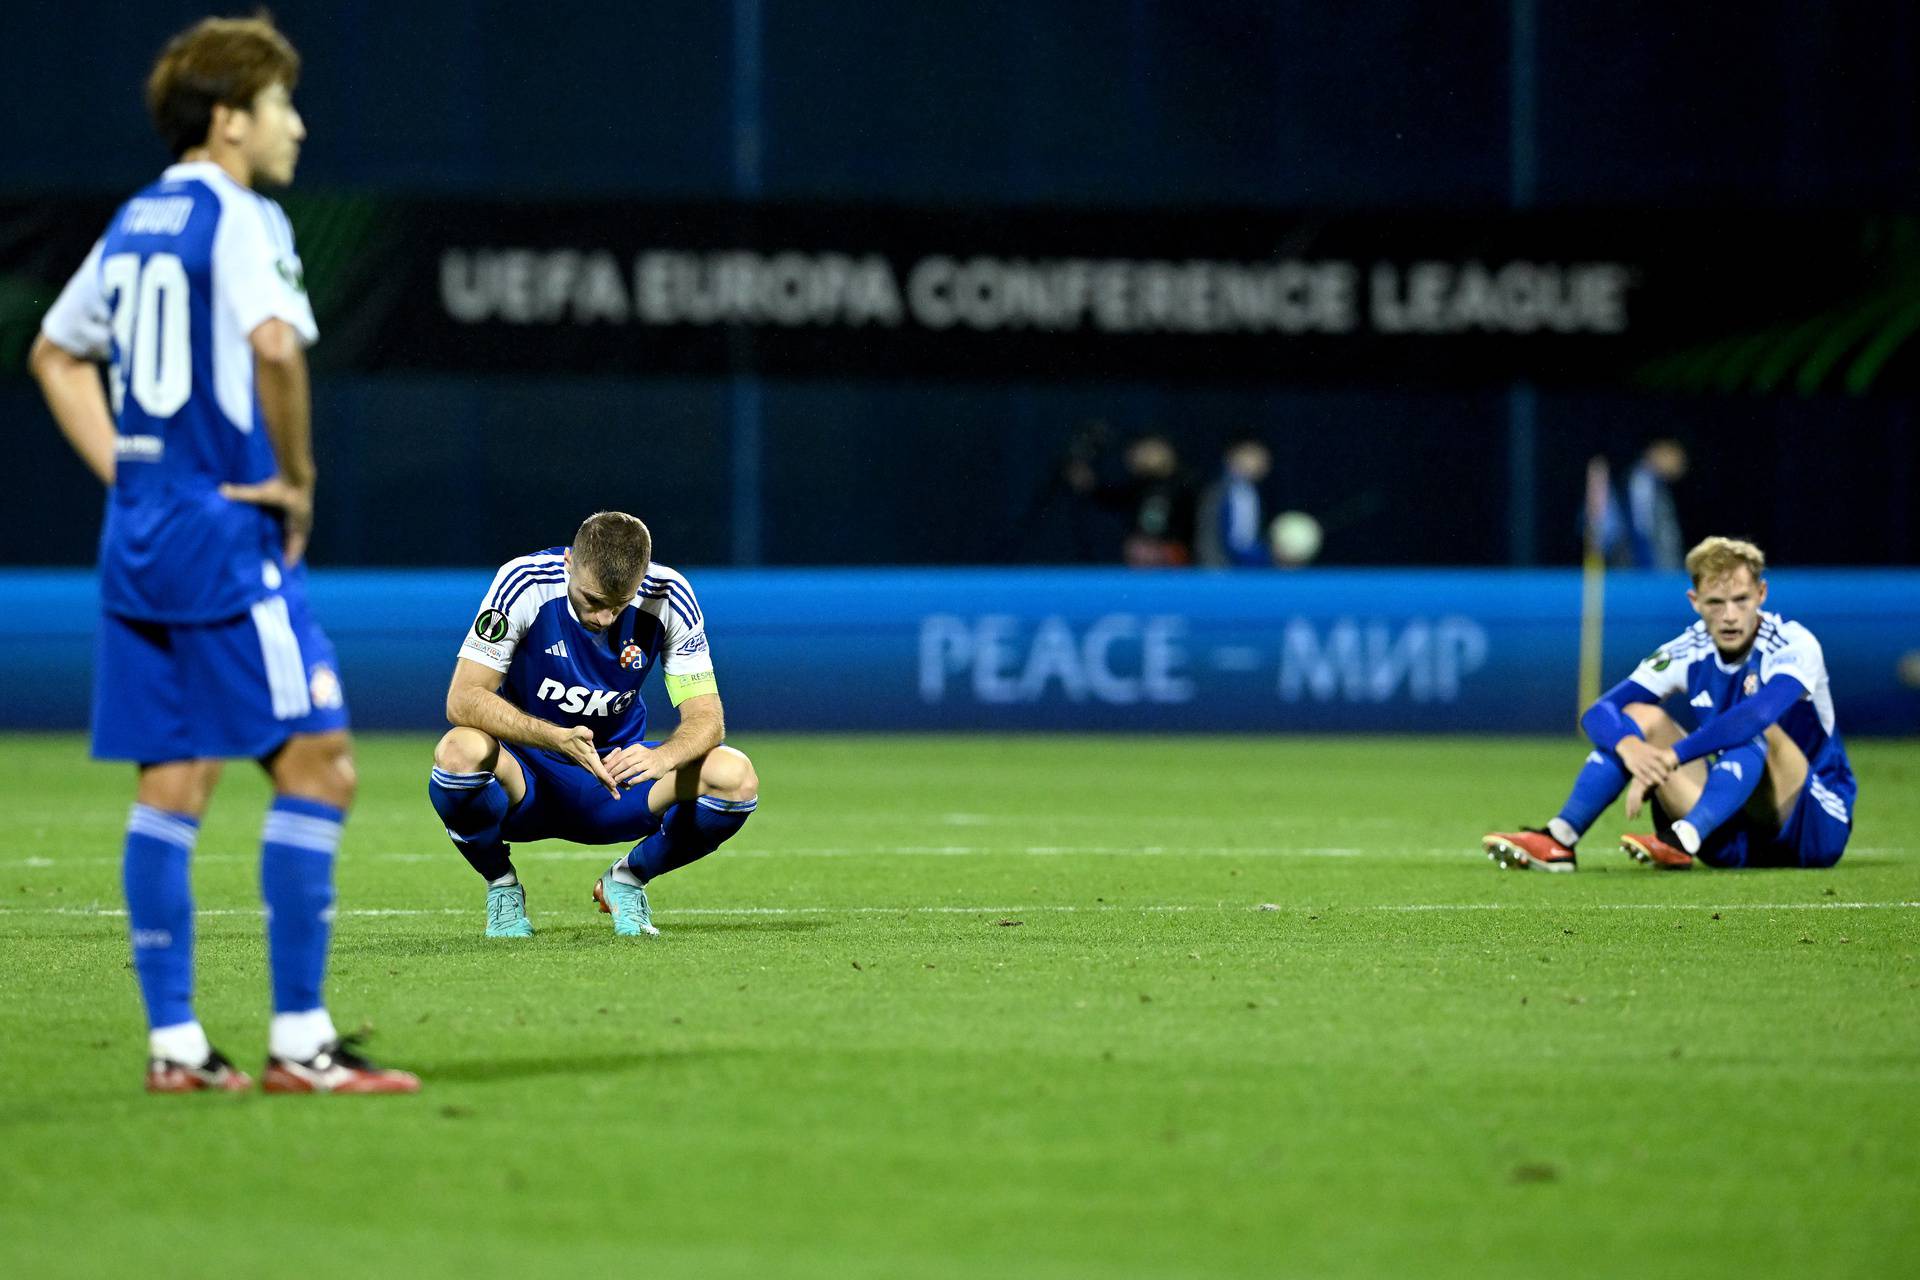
{"x":490,"y":626}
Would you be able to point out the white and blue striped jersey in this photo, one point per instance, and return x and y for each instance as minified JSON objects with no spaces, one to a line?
{"x":189,"y":267}
{"x":561,"y":672}
{"x":1690,"y":665}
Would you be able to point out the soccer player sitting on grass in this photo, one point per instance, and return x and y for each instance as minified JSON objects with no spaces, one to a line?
{"x":207,"y":650}
{"x":549,"y":727}
{"x":1764,"y":780}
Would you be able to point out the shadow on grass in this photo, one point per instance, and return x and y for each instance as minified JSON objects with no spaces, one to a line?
{"x":549,"y":937}
{"x":745,"y":926}
{"x":491,"y":1070}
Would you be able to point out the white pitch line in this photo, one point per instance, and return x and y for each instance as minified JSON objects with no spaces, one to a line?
{"x":1066,"y":908}
{"x":523,"y":854}
{"x":1643,"y":906}
{"x":256,"y":913}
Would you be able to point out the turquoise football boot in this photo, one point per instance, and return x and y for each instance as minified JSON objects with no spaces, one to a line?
{"x":507,"y":912}
{"x":627,"y":904}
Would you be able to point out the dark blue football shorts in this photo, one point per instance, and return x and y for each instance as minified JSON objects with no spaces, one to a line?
{"x":565,"y":802}
{"x":240,"y":687}
{"x":1813,"y":836}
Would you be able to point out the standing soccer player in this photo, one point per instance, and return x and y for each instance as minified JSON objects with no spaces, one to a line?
{"x":1763,"y":782}
{"x":207,"y":651}
{"x":550,"y":732}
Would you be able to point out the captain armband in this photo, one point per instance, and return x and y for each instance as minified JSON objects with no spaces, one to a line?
{"x":680,"y":688}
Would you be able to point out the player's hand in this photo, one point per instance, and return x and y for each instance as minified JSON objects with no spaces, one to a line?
{"x":576,"y":744}
{"x":1636,"y":797}
{"x":294,"y":501}
{"x":637,"y":763}
{"x":1648,"y":764}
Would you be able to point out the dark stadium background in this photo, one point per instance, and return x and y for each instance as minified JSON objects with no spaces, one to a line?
{"x":1788,"y":128}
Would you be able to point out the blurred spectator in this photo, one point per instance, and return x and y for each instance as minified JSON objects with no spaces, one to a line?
{"x":1155,"y":494}
{"x":1643,"y":532}
{"x":1230,"y":531}
{"x":1652,"y":534}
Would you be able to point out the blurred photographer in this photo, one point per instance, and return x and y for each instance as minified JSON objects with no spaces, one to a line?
{"x":1155,"y":494}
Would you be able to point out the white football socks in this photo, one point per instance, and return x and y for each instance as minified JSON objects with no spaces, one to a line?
{"x":1689,"y":838}
{"x":624,"y":874}
{"x":291,"y":1035}
{"x":298,"y":1036}
{"x":183,"y":1042}
{"x":509,"y":878}
{"x":1562,"y":830}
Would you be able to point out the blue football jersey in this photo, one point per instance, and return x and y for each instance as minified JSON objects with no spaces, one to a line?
{"x":186,"y":271}
{"x":561,"y":672}
{"x":1690,"y":666}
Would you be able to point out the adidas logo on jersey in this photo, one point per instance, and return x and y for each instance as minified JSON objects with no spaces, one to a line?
{"x":1700,"y":699}
{"x":558,"y":649}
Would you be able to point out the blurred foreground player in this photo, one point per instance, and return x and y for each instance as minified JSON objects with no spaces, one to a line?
{"x":1764,"y":780}
{"x":549,"y":738}
{"x":207,"y":650}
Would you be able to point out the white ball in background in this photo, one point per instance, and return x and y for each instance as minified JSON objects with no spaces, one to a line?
{"x":1295,"y":538}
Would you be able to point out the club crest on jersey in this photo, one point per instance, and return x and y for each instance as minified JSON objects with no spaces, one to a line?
{"x":490,"y":626}
{"x":1750,"y":685}
{"x":633,"y":656}
{"x":323,"y":686}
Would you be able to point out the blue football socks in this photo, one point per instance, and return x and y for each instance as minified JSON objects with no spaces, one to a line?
{"x":1600,"y":781}
{"x":688,"y":832}
{"x":160,"y":911}
{"x":296,"y":879}
{"x":1730,"y":780}
{"x":471,"y":807}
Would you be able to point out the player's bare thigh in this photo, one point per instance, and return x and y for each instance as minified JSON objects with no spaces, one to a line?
{"x":467,"y":750}
{"x":723,"y":772}
{"x":1786,"y":769}
{"x":1786,"y":774}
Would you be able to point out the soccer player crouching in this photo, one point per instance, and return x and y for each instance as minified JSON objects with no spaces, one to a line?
{"x":1763,"y":781}
{"x":549,"y":728}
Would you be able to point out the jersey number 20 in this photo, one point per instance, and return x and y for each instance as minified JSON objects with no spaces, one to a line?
{"x":150,"y":328}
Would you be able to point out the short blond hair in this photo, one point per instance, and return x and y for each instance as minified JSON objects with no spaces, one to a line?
{"x":615,"y":547}
{"x":1716,"y":557}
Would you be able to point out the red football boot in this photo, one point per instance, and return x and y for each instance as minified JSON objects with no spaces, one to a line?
{"x":215,"y":1075}
{"x":337,"y":1068}
{"x":1527,"y":847}
{"x":1656,"y":852}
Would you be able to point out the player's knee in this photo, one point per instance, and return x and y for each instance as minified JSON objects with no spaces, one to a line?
{"x":184,"y":787}
{"x":318,"y":768}
{"x":348,"y":774}
{"x":729,"y":774}
{"x":465,"y":750}
{"x":1655,"y":724}
{"x":334,"y":779}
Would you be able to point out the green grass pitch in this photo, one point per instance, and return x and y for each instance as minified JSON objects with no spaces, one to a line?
{"x":1010,"y":1006}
